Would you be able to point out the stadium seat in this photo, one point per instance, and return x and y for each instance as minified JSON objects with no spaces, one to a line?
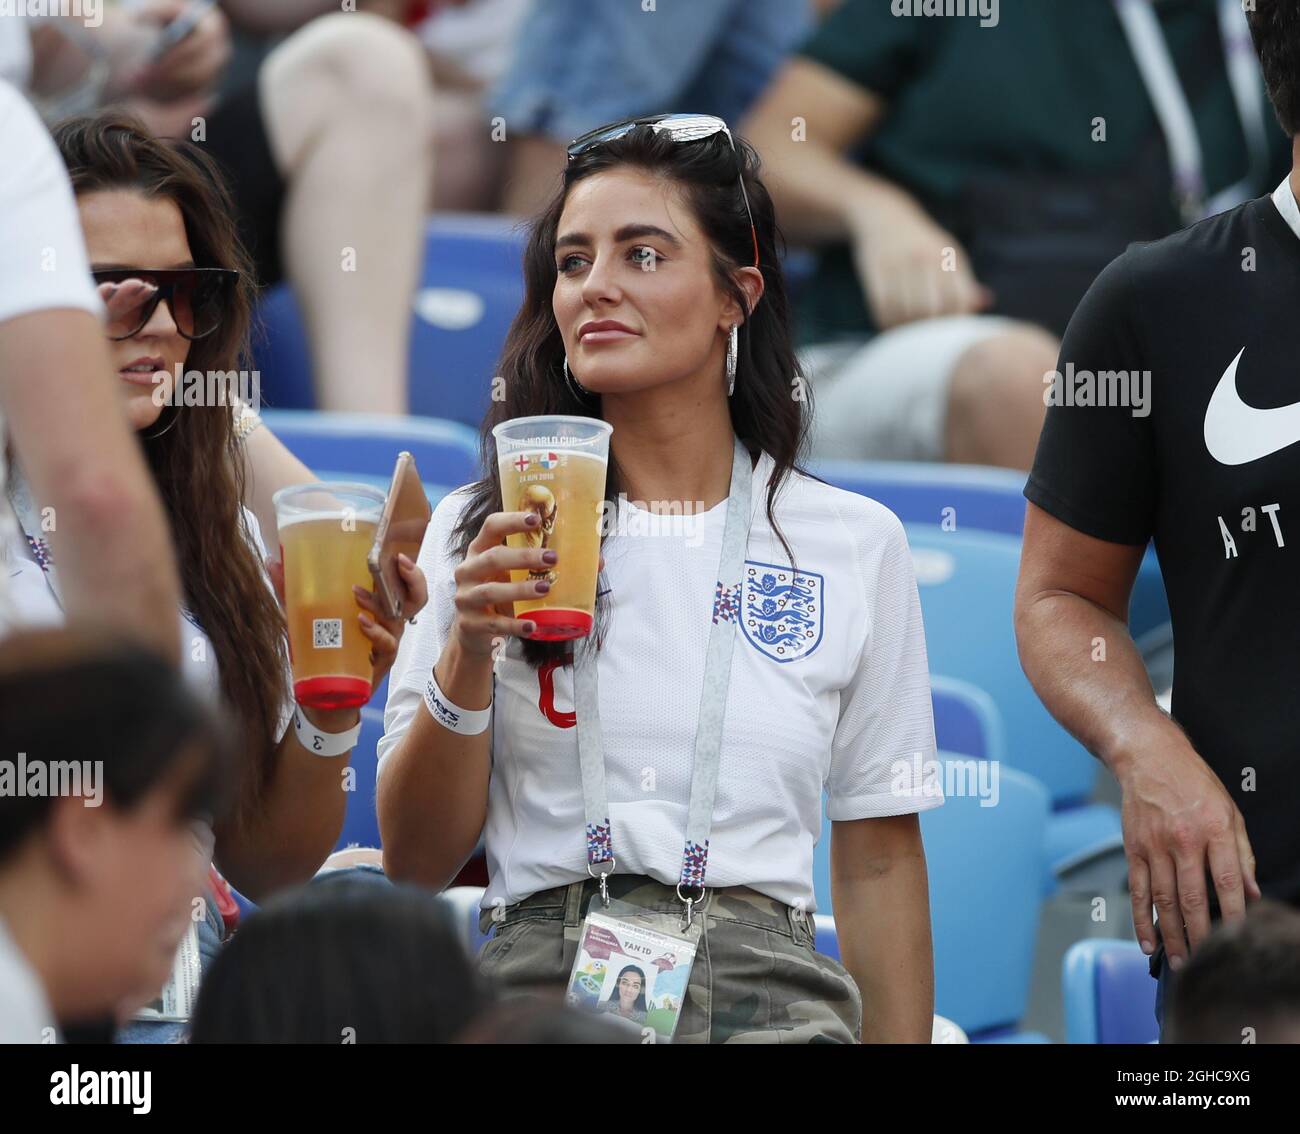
{"x":471,"y":286}
{"x":966,"y":721}
{"x":984,"y":866}
{"x":464,"y":901}
{"x":967,"y":498}
{"x":1109,"y":994}
{"x":359,"y":445}
{"x":966,"y":581}
{"x":360,"y":823}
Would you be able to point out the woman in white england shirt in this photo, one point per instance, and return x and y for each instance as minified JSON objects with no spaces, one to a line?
{"x":639,"y":276}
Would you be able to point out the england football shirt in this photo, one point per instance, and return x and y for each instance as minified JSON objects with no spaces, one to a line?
{"x":829,"y":693}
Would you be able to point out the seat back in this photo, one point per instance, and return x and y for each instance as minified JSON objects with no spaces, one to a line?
{"x":1110,"y":996}
{"x":985,"y":866}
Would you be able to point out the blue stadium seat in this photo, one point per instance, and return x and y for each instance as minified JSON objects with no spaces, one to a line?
{"x":359,"y":445}
{"x":471,"y":286}
{"x":360,"y":823}
{"x":967,"y":581}
{"x":1109,"y":994}
{"x":984,"y":866}
{"x":464,"y":901}
{"x":980,"y":499}
{"x":966,"y":720}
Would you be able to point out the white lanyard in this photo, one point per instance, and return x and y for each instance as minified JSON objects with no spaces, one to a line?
{"x":708,"y":733}
{"x":1156,"y":66}
{"x":20,"y":496}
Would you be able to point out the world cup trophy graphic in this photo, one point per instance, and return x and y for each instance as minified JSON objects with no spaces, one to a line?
{"x":539,"y":499}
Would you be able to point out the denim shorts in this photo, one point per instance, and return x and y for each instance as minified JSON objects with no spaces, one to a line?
{"x":580,"y":65}
{"x":757,"y":977}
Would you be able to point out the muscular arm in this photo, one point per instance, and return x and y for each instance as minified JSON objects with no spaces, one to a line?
{"x":1074,"y":589}
{"x":1180,"y":824}
{"x":818,"y":192}
{"x":878,"y":878}
{"x":110,"y":538}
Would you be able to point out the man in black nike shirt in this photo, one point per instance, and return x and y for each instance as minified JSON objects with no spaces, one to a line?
{"x":1175,"y":416}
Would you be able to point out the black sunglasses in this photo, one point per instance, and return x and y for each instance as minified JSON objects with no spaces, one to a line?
{"x":196,"y":297}
{"x":679,"y":127}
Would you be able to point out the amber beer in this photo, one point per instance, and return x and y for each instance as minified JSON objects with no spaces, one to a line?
{"x":326,"y":532}
{"x":555,"y":466}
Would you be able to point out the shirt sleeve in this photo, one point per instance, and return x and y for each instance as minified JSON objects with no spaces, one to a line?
{"x":43,"y":261}
{"x":422,"y":643}
{"x":867,"y":44}
{"x":883,"y":755}
{"x":1095,"y":466}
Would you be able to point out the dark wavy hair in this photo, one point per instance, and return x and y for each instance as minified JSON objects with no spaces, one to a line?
{"x":196,"y":462}
{"x":765,"y":414}
{"x":639,"y":1005}
{"x":1275,"y":28}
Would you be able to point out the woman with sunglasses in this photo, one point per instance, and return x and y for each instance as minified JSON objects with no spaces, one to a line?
{"x":159,"y":234}
{"x":655,"y":301}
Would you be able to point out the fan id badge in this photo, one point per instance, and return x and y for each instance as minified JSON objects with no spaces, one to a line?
{"x":175,"y":1002}
{"x":633,"y":967}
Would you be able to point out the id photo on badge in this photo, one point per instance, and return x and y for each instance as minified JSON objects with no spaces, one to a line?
{"x":631,"y":973}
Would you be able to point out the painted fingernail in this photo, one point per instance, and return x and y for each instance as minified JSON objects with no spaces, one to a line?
{"x":550,"y":556}
{"x":530,"y":627}
{"x":542,"y":586}
{"x":532,"y":519}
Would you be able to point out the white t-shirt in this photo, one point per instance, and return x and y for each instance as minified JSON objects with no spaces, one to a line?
{"x":36,"y":607}
{"x":25,"y":1010}
{"x":15,"y":49}
{"x":43,"y":261}
{"x":839,"y":700}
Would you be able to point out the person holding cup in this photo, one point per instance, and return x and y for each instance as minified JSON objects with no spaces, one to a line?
{"x":156,"y":222}
{"x":755,"y":636}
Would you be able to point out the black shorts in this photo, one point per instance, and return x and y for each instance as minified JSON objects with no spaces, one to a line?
{"x":238,"y":140}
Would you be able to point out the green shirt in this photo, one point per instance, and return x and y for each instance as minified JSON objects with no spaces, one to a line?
{"x":1022,"y":95}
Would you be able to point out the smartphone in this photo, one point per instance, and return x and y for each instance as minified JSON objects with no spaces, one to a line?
{"x":181,"y":26}
{"x":401,"y":530}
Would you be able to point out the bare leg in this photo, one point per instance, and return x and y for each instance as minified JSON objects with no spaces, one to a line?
{"x":468,"y":166}
{"x":349,"y":108}
{"x":535,"y":166}
{"x":995,"y":401}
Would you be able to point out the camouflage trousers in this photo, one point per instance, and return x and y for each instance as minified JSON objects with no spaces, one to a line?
{"x":757,"y":977}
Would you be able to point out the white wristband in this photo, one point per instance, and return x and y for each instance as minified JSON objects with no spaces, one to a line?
{"x":467,"y":722}
{"x":323,"y":743}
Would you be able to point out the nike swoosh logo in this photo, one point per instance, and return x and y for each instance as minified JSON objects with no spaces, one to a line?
{"x":1236,"y":433}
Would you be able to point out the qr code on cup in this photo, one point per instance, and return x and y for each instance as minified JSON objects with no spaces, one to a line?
{"x":327,"y":633}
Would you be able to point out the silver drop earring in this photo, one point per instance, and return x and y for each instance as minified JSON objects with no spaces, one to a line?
{"x":733,"y":351}
{"x":577,"y":387}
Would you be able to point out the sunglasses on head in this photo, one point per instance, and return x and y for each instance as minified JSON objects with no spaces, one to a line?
{"x":196,"y":297}
{"x":679,"y":127}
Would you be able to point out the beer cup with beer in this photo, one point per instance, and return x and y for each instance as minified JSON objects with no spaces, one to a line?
{"x":326,"y":531}
{"x":554,"y":466}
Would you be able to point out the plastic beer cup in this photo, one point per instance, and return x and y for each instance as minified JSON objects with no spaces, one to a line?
{"x":555,"y":465}
{"x":326,"y":531}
